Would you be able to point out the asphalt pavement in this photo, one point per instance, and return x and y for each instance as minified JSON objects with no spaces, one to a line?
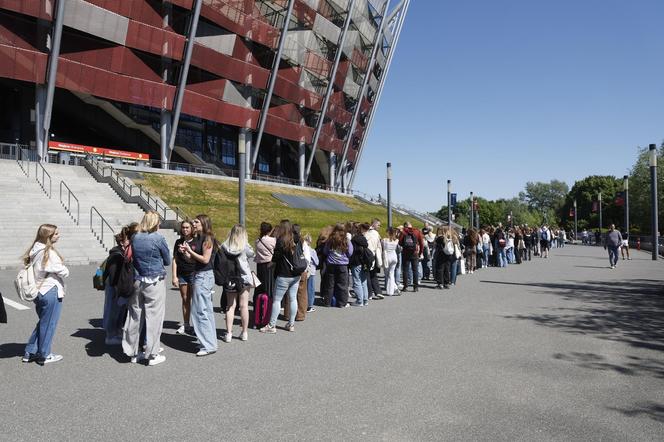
{"x":563,"y":349}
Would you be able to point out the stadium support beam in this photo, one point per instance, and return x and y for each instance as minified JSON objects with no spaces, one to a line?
{"x":365,"y":82}
{"x":262,"y":119}
{"x":44,"y":95}
{"x":403,"y":8}
{"x":184,"y":73}
{"x":330,"y":88}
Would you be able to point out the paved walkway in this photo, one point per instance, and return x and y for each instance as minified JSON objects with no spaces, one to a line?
{"x":558,"y":349}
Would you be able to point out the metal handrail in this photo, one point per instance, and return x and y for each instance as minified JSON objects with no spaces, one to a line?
{"x":101,"y":224}
{"x":25,"y":169}
{"x":70,"y":194}
{"x":135,"y":190}
{"x":44,"y":174}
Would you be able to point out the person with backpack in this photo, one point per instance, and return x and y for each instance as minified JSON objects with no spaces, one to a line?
{"x":202,"y":250}
{"x":147,"y":304}
{"x":118,"y":280}
{"x":337,"y":251}
{"x":500,"y":245}
{"x":183,"y":275}
{"x":289,"y":264}
{"x":375,"y":247}
{"x":49,"y":272}
{"x":412,"y":246}
{"x":358,"y":266}
{"x":238,"y":252}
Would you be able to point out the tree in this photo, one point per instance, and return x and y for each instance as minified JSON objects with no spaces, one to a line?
{"x":639,"y":190}
{"x":545,"y":196}
{"x":586,"y":191}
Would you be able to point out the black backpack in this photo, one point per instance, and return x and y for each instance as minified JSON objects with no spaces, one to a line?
{"x":367,"y":258}
{"x":125,"y":285}
{"x":299,"y":264}
{"x":409,"y":242}
{"x":227,"y":271}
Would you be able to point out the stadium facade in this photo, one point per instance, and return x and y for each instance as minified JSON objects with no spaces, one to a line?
{"x":299,"y":79}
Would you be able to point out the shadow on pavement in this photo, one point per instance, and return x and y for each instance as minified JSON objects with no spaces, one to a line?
{"x":652,"y":410}
{"x":96,"y":346}
{"x":633,"y":366}
{"x":11,"y":350}
{"x":629,"y":311}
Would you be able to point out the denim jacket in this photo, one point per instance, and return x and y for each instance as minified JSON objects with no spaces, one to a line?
{"x":151,"y":254}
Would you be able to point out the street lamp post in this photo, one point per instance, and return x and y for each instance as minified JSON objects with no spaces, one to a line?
{"x":242,"y":152}
{"x":626,"y":202}
{"x":599,"y":197}
{"x":653,"y":197}
{"x":472,"y":211}
{"x":449,"y":207}
{"x":389,"y":195}
{"x":576,"y":232}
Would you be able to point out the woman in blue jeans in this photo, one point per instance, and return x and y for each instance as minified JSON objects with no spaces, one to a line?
{"x":50,"y":272}
{"x":287,"y":278}
{"x":201,"y":250}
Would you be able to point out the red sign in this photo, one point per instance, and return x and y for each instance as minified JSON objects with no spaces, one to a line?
{"x":571,"y":213}
{"x":620,"y":199}
{"x":595,"y":207}
{"x":103,"y":151}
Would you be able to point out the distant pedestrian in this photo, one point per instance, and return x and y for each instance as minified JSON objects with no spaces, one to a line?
{"x":624,"y":245}
{"x":50,"y":272}
{"x":613,"y":241}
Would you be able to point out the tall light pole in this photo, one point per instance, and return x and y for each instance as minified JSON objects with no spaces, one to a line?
{"x":242,"y":152}
{"x":472,"y":212}
{"x":653,"y":198}
{"x":626,"y":202}
{"x":389,"y":195}
{"x":599,"y":198}
{"x":449,"y":207}
{"x":576,"y":232}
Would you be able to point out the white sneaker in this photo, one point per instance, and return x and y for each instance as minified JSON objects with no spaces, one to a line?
{"x":50,"y":358}
{"x":228,"y":337}
{"x":204,"y":352}
{"x":244,"y":336}
{"x":157,"y":360}
{"x":180,"y":331}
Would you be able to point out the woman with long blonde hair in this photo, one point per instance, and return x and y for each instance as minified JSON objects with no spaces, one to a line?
{"x":237,"y":247}
{"x":147,"y":304}
{"x":50,"y":272}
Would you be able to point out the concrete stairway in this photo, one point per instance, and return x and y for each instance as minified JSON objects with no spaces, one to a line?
{"x":100,"y":195}
{"x":25,"y":206}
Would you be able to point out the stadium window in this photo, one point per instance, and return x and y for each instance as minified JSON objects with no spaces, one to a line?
{"x":228,"y":149}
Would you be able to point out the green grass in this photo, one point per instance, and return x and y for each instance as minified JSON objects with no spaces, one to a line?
{"x":218,"y":199}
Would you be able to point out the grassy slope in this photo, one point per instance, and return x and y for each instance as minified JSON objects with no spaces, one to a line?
{"x":218,"y":199}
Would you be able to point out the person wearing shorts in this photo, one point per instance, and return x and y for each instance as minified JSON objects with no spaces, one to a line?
{"x":624,"y":245}
{"x":183,"y":275}
{"x":545,"y":235}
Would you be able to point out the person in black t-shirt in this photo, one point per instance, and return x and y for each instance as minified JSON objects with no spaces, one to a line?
{"x":183,"y":274}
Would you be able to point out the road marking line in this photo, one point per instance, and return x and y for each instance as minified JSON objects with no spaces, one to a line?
{"x":15,"y":304}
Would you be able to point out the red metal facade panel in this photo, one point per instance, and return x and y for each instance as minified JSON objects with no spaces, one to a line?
{"x":35,"y":8}
{"x":22,"y":64}
{"x":117,"y":59}
{"x":154,"y":40}
{"x":285,"y":129}
{"x":212,"y":109}
{"x":16,"y":33}
{"x":229,"y":67}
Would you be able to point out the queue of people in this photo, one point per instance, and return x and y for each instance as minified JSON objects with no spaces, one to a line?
{"x":348,"y":258}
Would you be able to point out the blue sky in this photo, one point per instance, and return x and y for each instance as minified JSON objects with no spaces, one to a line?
{"x":492,"y":94}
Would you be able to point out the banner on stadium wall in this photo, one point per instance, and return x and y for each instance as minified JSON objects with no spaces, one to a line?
{"x":453,"y":199}
{"x":93,"y":150}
